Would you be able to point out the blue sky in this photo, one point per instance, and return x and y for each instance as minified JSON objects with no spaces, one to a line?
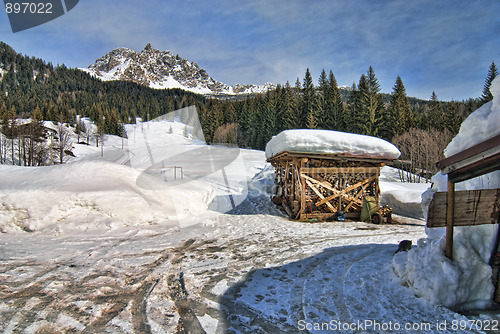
{"x":444,"y":46}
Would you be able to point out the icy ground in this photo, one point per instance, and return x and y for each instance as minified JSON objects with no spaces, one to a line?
{"x":242,"y":269}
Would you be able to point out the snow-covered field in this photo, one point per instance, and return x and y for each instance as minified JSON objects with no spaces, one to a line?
{"x":123,"y":244}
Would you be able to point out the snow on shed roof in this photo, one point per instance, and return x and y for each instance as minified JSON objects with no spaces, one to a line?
{"x":330,"y":142}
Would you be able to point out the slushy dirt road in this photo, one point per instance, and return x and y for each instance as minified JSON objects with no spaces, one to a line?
{"x":230,"y":273}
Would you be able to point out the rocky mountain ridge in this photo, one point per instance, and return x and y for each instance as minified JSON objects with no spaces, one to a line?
{"x":161,"y":70}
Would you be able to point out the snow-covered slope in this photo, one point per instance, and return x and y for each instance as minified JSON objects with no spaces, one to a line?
{"x":162,"y":70}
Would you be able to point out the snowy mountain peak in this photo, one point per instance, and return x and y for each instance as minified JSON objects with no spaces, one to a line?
{"x":162,"y":69}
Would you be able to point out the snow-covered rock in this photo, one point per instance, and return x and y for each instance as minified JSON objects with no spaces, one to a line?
{"x":464,"y":282}
{"x":333,"y":142}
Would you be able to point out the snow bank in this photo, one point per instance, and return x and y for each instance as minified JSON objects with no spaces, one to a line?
{"x":333,"y":142}
{"x":403,"y":198}
{"x":93,"y":195}
{"x":482,"y":124}
{"x":466,"y":281}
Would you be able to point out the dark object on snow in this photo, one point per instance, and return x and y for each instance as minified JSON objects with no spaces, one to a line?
{"x":70,"y":153}
{"x":404,"y":246}
{"x":340,"y":216}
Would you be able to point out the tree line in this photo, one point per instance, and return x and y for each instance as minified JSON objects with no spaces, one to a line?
{"x":60,"y":93}
{"x":422,"y":128}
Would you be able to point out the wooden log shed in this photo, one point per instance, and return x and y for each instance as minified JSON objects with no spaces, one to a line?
{"x":321,"y":186}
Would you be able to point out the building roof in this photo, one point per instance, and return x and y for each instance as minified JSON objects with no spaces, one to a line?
{"x":475,"y":161}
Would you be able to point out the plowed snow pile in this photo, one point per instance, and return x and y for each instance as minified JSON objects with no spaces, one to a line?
{"x":466,"y":281}
{"x":94,"y":194}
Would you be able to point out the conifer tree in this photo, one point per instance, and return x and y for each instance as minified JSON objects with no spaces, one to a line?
{"x":362,"y":110}
{"x":453,"y":118}
{"x":298,"y":87}
{"x":10,"y":130}
{"x":492,"y":74}
{"x":267,"y":120}
{"x":360,"y":107}
{"x":308,"y":110}
{"x":229,"y":114}
{"x":289,"y":105}
{"x":214,"y":120}
{"x":374,"y":104}
{"x":255,"y":123}
{"x":348,"y":118}
{"x":337,"y":104}
{"x":37,"y":134}
{"x":323,"y":111}
{"x":436,"y":117}
{"x":298,"y":96}
{"x":331,"y":104}
{"x":281,"y":112}
{"x":399,"y":116}
{"x":244,"y":124}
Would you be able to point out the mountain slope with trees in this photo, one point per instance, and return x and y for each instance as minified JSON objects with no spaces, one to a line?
{"x":60,"y":93}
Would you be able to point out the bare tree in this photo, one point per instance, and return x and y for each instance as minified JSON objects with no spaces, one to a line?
{"x":226,"y":134}
{"x":64,"y":144}
{"x":80,"y":129}
{"x":421,"y":149}
{"x":89,"y":132}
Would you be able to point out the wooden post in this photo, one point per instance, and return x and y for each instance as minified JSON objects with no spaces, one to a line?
{"x":450,"y":212}
{"x":495,"y":265}
{"x":302,"y":186}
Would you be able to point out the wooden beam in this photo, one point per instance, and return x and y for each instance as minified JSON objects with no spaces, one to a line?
{"x":324,"y":184}
{"x":320,"y":195}
{"x":340,"y":170}
{"x":478,"y":168}
{"x":289,"y":155}
{"x":302,"y":188}
{"x":287,"y":209}
{"x":359,"y":184}
{"x":450,"y":212}
{"x":495,"y":151}
{"x":470,"y":152}
{"x":357,"y":196}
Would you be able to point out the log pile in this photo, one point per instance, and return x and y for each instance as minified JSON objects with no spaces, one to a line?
{"x":321,"y":187}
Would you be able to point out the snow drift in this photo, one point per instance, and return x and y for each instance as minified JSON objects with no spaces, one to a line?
{"x":404,"y":198}
{"x":93,"y":194}
{"x":332,"y":142}
{"x":466,"y":281}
